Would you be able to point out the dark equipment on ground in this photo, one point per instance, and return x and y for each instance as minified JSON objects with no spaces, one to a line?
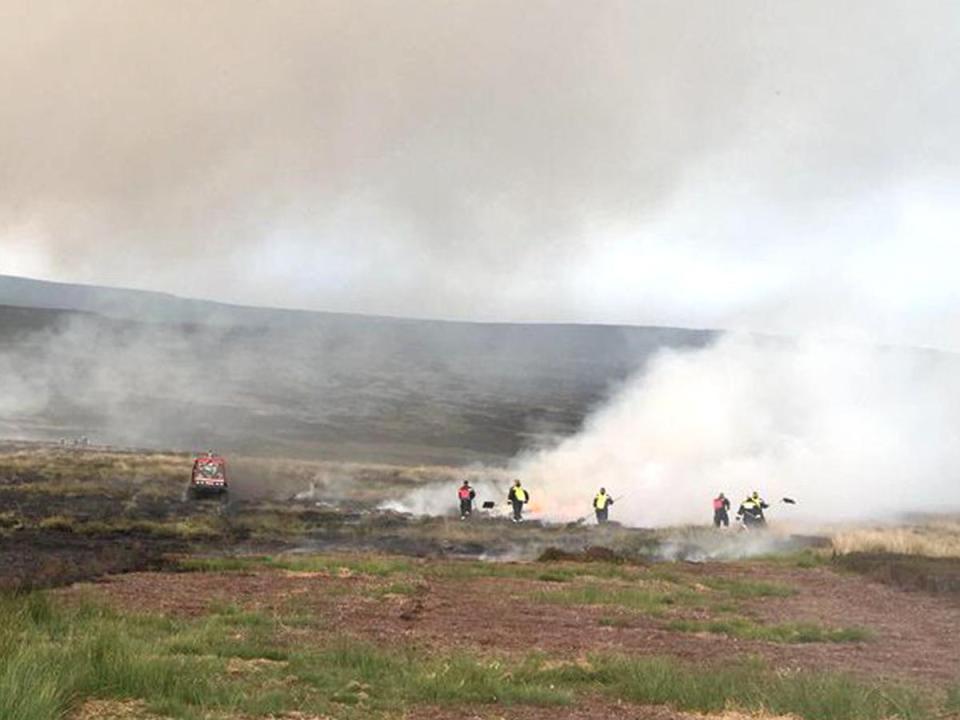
{"x":489,"y":505}
{"x":208,"y":477}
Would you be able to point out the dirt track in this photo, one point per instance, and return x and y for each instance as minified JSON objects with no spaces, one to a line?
{"x":915,"y":637}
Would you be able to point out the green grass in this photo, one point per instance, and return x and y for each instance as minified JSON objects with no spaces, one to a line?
{"x":723,"y":595}
{"x":468,"y":680}
{"x":553,"y":576}
{"x":746,"y":589}
{"x":65,"y":488}
{"x":53,"y":657}
{"x":221,"y":564}
{"x":265,"y":524}
{"x":261,"y":526}
{"x":749,"y":686}
{"x":382,"y":566}
{"x":548,"y":572}
{"x":191,"y":528}
{"x":805,"y":559}
{"x":360,"y":564}
{"x":778,"y":633}
{"x":653,"y":601}
{"x":953,"y":699}
{"x":615,"y":621}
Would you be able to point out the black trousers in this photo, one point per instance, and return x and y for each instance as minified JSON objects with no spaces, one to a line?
{"x":720,"y":517}
{"x":465,"y":507}
{"x":602,"y":515}
{"x":517,"y":509}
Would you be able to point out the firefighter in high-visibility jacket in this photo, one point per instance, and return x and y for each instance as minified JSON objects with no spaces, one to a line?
{"x":518,"y":497}
{"x":601,"y":505}
{"x":466,"y":495}
{"x":751,"y":511}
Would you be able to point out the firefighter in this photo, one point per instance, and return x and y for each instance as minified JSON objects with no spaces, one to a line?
{"x":518,"y":497}
{"x":466,"y":495}
{"x":751,"y":510}
{"x":721,"y":506}
{"x":601,"y":504}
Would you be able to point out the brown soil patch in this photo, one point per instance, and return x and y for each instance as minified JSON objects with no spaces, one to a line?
{"x":915,"y":634}
{"x":916,"y":637}
{"x":598,"y":709}
{"x":594,"y":710}
{"x":196,"y":594}
{"x":114,"y":710}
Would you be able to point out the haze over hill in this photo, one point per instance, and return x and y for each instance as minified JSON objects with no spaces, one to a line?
{"x":854,"y":429}
{"x":743,"y":165}
{"x":123,"y":366}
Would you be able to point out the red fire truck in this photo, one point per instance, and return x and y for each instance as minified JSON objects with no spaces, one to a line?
{"x":209,"y":476}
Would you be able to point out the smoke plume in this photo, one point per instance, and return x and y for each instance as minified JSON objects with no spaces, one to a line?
{"x":848,"y":431}
{"x":783,"y":167}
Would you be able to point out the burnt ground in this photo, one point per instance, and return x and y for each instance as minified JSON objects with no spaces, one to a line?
{"x":36,"y":558}
{"x":913,"y":637}
{"x":936,"y":575}
{"x":119,"y":521}
{"x":67,"y":515}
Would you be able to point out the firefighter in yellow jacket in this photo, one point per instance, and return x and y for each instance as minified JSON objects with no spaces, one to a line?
{"x":601,"y":504}
{"x":518,"y":497}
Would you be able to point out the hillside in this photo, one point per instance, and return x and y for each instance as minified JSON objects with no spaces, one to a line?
{"x":157,"y":371}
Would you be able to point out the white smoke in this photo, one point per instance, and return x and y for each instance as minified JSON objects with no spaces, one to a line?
{"x":440,"y":498}
{"x":848,"y":431}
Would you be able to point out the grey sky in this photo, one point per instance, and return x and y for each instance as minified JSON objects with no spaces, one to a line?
{"x":785,"y":166}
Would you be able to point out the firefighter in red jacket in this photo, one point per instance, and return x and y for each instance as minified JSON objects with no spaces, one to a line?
{"x":466,"y":496}
{"x":721,"y":509}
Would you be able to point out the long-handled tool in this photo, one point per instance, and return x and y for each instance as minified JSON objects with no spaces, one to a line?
{"x":586,"y":517}
{"x":748,"y":526}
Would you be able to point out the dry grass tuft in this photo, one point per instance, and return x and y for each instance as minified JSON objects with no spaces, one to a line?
{"x":940,"y":538}
{"x":736,"y":715}
{"x":114,"y":710}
